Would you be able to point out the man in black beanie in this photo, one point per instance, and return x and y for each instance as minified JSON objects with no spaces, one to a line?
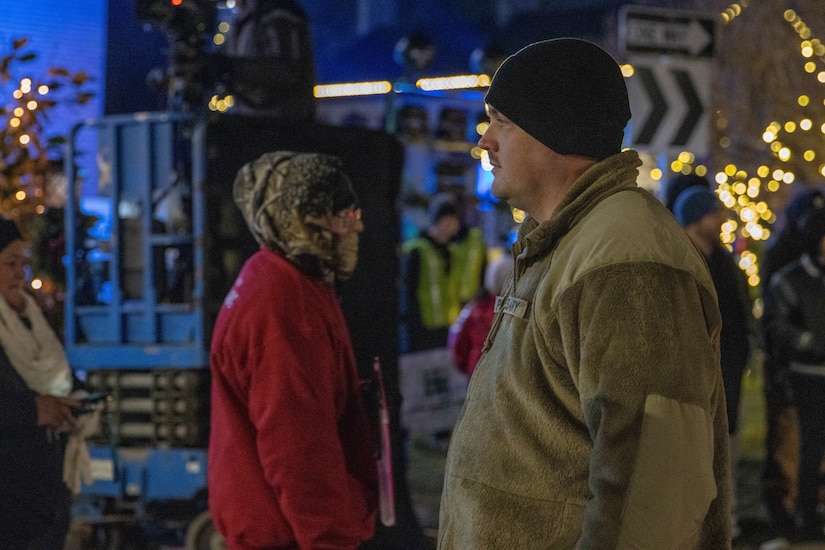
{"x":596,"y":415}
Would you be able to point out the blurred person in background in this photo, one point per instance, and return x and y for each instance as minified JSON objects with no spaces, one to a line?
{"x":39,"y":401}
{"x":429,"y":297}
{"x":469,"y":332}
{"x":779,"y":479}
{"x":794,"y":324}
{"x":700,"y":212}
{"x":292,"y":450}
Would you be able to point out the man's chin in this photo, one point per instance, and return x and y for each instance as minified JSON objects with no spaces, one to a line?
{"x":497,"y":192}
{"x":501,"y":196}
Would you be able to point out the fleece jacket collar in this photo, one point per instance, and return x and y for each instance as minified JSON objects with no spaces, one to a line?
{"x":604,"y":178}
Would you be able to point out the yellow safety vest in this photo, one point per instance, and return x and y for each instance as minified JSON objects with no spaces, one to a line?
{"x":467,"y":259}
{"x":436,"y":295}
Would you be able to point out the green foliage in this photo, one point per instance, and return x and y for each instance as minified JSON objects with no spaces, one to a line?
{"x":28,"y":155}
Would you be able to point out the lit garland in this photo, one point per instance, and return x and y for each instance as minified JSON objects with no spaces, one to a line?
{"x":733,"y":11}
{"x":29,"y":157}
{"x":22,"y":146}
{"x":457,"y":82}
{"x":809,"y":48}
{"x":26,"y":152}
{"x":221,"y":104}
{"x":739,"y":190}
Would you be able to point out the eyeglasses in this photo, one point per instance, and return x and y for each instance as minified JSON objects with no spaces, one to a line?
{"x":346,"y":220}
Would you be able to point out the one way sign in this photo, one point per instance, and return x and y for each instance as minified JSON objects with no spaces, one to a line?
{"x":652,"y":31}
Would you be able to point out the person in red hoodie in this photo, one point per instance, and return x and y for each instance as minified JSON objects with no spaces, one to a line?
{"x":469,"y":332}
{"x":292,"y":449}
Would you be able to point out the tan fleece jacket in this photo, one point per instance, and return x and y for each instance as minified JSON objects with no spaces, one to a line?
{"x":596,"y":417}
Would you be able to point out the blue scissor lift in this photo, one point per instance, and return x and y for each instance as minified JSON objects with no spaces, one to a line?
{"x":134,"y":320}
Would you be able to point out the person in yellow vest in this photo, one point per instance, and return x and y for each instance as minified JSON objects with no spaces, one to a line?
{"x":429,"y":298}
{"x":468,"y":255}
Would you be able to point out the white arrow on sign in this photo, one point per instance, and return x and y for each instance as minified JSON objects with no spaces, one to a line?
{"x":656,"y":31}
{"x":668,"y":35}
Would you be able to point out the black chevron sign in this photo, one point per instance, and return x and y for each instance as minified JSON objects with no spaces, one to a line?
{"x":657,"y":113}
{"x":668,"y":101}
{"x":695,"y":108}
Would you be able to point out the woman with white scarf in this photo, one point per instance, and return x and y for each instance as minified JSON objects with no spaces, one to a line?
{"x":36,"y":412}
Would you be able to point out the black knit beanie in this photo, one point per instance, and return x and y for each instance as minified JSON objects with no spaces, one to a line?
{"x":567,"y":93}
{"x":441,"y":206}
{"x":8,"y":232}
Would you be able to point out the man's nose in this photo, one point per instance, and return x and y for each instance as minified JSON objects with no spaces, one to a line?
{"x":484,"y":141}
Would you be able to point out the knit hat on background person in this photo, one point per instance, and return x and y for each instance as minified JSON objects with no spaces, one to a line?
{"x":694,"y":203}
{"x":681,"y":182}
{"x":567,"y":93}
{"x":8,"y":232}
{"x":442,"y":205}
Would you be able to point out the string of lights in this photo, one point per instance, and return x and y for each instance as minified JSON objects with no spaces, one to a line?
{"x":733,"y":11}
{"x":742,"y":192}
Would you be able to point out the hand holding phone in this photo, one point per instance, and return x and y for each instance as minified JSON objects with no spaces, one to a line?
{"x":87,"y":404}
